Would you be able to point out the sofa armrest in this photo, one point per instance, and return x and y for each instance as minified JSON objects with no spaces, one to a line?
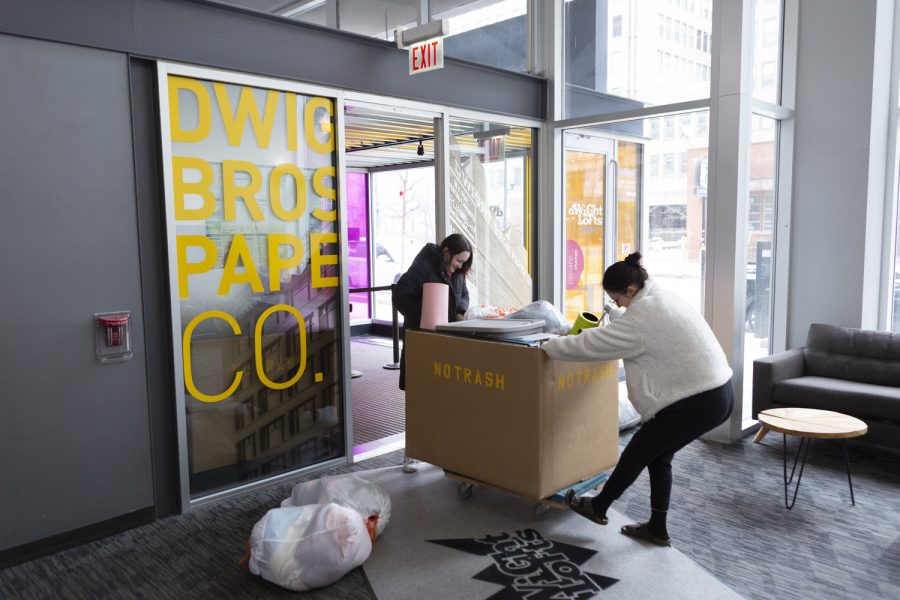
{"x":771,"y":369}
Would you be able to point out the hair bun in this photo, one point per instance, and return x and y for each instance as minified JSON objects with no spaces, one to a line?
{"x":634,"y":259}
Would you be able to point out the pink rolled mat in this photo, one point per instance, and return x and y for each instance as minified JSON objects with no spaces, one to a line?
{"x":435,"y":305}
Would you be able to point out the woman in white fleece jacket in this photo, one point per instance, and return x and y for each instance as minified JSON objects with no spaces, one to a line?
{"x":677,"y":377}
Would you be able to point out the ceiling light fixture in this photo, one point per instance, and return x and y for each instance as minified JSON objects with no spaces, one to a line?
{"x":421,"y":149}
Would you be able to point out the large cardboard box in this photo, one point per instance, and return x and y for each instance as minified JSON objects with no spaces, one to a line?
{"x":507,"y":414}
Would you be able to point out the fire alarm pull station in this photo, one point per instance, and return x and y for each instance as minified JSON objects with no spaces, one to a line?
{"x":112,"y":336}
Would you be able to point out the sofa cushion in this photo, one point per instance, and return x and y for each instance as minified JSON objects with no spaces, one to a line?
{"x":853,"y":354}
{"x":861,"y":400}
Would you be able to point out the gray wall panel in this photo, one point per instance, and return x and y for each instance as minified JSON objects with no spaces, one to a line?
{"x":74,"y":435}
{"x":154,"y":286}
{"x":831,"y":162}
{"x":68,"y":21}
{"x":229,"y":38}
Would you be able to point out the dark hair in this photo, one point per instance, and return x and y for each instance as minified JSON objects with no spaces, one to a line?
{"x":454,"y":244}
{"x":624,"y":273}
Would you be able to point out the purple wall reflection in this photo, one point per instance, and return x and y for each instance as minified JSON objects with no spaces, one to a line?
{"x":357,"y":185}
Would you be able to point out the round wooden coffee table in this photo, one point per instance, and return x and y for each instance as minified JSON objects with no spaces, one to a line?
{"x":809,"y":423}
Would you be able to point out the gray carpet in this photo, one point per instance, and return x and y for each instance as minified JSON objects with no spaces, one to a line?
{"x":727,"y":515}
{"x":488,"y":547}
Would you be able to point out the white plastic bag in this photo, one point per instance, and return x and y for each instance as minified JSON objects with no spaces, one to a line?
{"x":367,"y":498}
{"x":305,"y":547}
{"x":628,"y":416}
{"x":484,"y":312}
{"x":554,"y":321}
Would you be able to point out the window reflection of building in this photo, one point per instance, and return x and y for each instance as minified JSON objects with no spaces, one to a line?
{"x":490,"y":196}
{"x":270,"y":430}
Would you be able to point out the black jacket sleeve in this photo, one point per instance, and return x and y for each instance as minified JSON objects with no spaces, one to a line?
{"x":407,"y":292}
{"x":463,"y":305}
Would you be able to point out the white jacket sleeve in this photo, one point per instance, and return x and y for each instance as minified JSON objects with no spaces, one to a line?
{"x":615,"y":313}
{"x":619,"y":339}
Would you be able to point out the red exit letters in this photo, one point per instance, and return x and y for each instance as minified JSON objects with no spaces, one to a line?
{"x":426,"y":56}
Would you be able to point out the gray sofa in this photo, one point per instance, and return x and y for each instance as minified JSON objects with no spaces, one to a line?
{"x":852,"y":371}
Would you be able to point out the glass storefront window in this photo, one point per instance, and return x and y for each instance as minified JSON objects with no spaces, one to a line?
{"x":668,"y":229}
{"x":630,"y":161}
{"x":766,"y":49}
{"x":403,"y":219}
{"x":759,"y":247}
{"x":490,"y":196}
{"x":675,"y":206}
{"x":893,"y":283}
{"x":493,"y":33}
{"x":373,"y":18}
{"x":487,"y":32}
{"x":252,"y":226}
{"x":895,"y":311}
{"x":622,"y":55}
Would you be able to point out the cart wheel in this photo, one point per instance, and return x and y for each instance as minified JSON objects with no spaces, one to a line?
{"x":539,"y":511}
{"x":464,"y":490}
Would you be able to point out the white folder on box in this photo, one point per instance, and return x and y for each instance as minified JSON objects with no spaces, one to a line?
{"x":493,"y":328}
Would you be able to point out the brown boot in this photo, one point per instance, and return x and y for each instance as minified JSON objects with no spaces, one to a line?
{"x":640,"y":531}
{"x":584,"y":508}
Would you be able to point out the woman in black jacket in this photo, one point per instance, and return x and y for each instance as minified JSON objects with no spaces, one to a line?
{"x":448,"y":262}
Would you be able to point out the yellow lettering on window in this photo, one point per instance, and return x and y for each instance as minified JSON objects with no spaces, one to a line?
{"x":299,"y":194}
{"x":247,"y":109}
{"x":318,"y":260}
{"x":239,"y":251}
{"x":186,"y":356}
{"x":290,"y":109}
{"x":258,"y":345}
{"x":322,"y":190}
{"x":277,"y":264}
{"x":202,"y":188}
{"x":185,"y":268}
{"x":247,"y":193}
{"x":310,"y":121}
{"x":204,"y":120}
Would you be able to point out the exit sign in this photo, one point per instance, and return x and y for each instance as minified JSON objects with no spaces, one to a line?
{"x":426,"y":56}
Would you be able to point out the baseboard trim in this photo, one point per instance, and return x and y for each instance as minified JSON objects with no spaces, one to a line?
{"x":76,"y":537}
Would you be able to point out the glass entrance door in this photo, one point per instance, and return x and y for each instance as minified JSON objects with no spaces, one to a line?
{"x":391,"y":150}
{"x":602,"y":207}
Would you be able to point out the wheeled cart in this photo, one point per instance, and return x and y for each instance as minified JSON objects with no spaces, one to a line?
{"x":541,"y":505}
{"x":504,"y":415}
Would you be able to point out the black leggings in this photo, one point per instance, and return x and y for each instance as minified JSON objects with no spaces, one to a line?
{"x":657,"y":441}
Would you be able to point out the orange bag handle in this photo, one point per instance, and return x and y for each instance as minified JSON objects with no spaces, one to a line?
{"x":246,"y":557}
{"x":372,"y":526}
